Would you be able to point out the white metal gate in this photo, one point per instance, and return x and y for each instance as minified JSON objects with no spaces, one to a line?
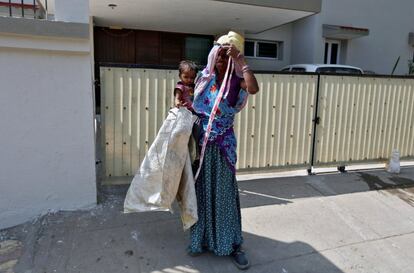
{"x":364,"y":119}
{"x":360,"y":119}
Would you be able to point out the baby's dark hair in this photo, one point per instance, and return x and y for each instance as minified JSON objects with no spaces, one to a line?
{"x":187,"y":65}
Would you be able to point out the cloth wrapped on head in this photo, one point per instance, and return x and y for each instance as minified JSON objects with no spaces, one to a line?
{"x":232,"y":38}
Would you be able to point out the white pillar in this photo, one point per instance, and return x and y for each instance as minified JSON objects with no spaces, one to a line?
{"x":72,"y":11}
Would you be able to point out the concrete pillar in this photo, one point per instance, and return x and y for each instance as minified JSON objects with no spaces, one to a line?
{"x":76,"y":11}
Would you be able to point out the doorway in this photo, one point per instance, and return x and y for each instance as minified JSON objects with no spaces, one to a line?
{"x":332,"y":51}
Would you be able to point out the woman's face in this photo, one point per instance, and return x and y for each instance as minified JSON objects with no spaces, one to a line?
{"x":222,"y":60}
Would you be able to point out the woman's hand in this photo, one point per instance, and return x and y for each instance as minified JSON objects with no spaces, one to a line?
{"x":249,"y":82}
{"x":232,"y":51}
{"x":235,"y":54}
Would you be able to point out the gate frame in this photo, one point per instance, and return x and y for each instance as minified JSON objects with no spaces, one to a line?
{"x":316,"y":119}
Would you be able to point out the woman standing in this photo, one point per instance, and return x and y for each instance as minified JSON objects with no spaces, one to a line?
{"x":220,"y":93}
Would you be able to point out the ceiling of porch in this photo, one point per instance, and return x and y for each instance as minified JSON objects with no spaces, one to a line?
{"x":199,"y":16}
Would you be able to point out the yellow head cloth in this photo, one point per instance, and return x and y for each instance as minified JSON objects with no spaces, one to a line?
{"x":232,"y":38}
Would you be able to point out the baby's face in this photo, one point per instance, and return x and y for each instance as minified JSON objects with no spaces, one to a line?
{"x":188,"y":77}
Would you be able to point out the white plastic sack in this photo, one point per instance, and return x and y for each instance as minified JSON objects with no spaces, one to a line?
{"x":394,"y":164}
{"x":159,"y":180}
{"x":186,"y":197}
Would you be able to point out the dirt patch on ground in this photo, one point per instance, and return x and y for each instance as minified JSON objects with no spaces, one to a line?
{"x":10,"y":251}
{"x":374,"y":182}
{"x":402,"y":180}
{"x":405,"y":194}
{"x":401,"y":187}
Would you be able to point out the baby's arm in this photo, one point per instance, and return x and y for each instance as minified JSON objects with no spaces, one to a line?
{"x":178,"y":97}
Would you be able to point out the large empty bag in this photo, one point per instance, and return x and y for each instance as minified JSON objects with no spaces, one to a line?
{"x":165,"y":173}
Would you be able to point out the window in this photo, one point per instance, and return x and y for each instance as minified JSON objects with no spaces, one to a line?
{"x":341,"y":70}
{"x":261,"y":49}
{"x":197,"y":49}
{"x":249,"y":48}
{"x":266,"y":50}
{"x":298,"y":69}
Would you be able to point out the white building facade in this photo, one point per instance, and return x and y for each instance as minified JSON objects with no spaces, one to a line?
{"x":47,"y":158}
{"x":368,"y":34}
{"x":47,"y":101}
{"x":47,"y":107}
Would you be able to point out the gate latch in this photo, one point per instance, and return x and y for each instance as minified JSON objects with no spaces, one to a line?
{"x":317,"y":120}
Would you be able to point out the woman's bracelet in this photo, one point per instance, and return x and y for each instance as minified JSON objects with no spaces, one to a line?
{"x":245,"y":68}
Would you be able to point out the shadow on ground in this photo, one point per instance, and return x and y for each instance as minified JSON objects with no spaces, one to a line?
{"x":104,"y":239}
{"x":274,"y":191}
{"x":279,"y":191}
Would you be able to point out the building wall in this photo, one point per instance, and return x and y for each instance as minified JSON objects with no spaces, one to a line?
{"x":47,"y":159}
{"x":304,"y":35}
{"x":128,"y":46}
{"x":281,"y":34}
{"x":388,"y":22}
{"x":143,"y":47}
{"x":72,"y":11}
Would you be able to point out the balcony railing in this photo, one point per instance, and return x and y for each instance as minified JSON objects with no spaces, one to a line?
{"x":24,"y":9}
